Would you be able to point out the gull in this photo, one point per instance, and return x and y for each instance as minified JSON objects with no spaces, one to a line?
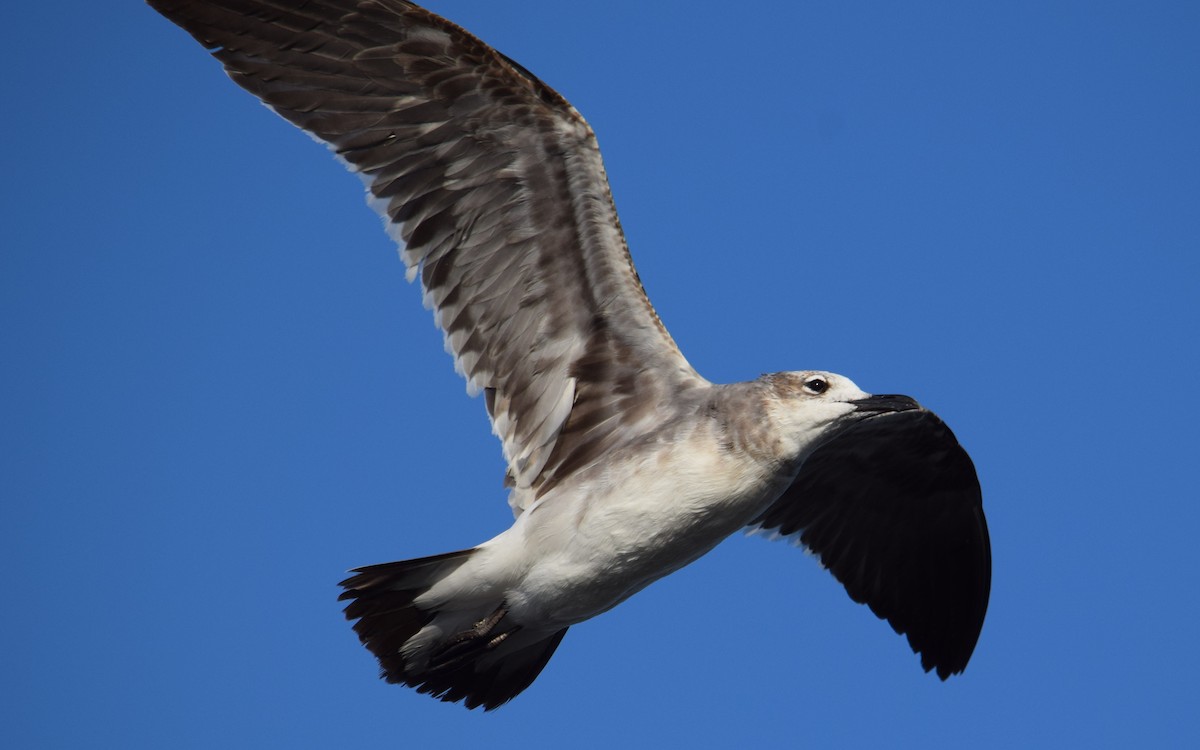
{"x":623,"y":463}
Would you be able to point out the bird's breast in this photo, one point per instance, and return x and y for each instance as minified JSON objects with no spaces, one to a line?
{"x":643,"y":515}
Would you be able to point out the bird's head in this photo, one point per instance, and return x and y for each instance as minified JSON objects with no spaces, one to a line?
{"x":809,"y":406}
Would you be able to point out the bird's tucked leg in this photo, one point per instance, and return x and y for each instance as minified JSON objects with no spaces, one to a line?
{"x":468,"y":644}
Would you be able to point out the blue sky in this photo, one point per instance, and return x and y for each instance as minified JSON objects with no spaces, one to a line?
{"x":219,"y":392}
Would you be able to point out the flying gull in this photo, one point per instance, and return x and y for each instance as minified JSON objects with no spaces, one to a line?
{"x":624,"y":464}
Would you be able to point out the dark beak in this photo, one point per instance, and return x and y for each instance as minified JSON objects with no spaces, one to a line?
{"x":888,"y":403}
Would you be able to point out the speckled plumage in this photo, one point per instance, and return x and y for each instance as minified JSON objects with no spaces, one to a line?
{"x":624,"y":464}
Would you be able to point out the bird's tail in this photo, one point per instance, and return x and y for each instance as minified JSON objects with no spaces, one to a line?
{"x":460,"y":648}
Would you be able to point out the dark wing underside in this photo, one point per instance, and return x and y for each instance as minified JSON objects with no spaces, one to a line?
{"x":494,"y":187}
{"x":892,"y":508}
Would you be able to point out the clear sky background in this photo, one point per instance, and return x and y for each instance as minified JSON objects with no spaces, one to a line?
{"x":219,"y":393}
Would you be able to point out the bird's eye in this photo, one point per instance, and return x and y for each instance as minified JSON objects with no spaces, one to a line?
{"x":816,"y":385}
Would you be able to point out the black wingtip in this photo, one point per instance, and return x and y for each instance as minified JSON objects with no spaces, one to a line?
{"x":892,"y":507}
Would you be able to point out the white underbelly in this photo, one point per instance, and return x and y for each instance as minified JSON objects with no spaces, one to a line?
{"x":602,"y":540}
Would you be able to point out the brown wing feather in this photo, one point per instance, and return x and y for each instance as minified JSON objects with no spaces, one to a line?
{"x":494,"y":186}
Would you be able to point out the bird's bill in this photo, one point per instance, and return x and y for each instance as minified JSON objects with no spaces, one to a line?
{"x":885,"y":403}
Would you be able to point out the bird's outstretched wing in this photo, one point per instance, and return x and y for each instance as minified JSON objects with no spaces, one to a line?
{"x":494,"y":187}
{"x":892,"y":508}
